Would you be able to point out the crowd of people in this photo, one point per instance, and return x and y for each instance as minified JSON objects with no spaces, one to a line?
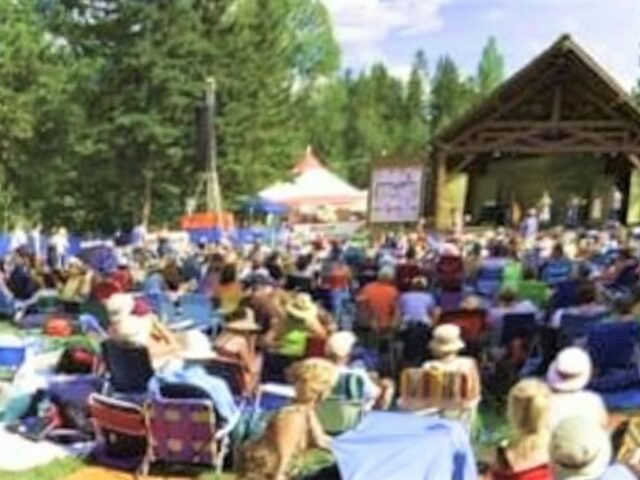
{"x":443,"y":326}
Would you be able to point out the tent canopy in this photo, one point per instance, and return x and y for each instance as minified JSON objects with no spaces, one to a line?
{"x":314,"y":185}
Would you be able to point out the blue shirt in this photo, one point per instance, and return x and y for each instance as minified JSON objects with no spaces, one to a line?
{"x":415,"y":307}
{"x":195,"y":375}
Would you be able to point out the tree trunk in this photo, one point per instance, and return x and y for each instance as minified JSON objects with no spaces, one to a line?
{"x":145,"y":214}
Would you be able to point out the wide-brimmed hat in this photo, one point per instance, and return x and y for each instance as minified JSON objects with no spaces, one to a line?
{"x":119,"y":305}
{"x":195,"y":346}
{"x":340,"y":344}
{"x":245,"y":323}
{"x":446,"y":340}
{"x":570,"y":371}
{"x":303,"y":307}
{"x":580,"y":449}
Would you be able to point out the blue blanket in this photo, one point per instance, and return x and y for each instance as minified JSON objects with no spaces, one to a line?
{"x":402,"y":446}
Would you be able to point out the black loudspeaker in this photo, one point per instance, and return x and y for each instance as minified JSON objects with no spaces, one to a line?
{"x":203,"y":136}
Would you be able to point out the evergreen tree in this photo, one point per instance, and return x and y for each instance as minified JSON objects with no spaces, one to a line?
{"x":491,"y":68}
{"x":451,"y":94}
{"x":416,"y":128}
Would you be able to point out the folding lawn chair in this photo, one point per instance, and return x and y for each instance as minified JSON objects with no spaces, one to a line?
{"x":184,"y":431}
{"x":128,"y":367}
{"x":575,"y":328}
{"x":121,"y":430}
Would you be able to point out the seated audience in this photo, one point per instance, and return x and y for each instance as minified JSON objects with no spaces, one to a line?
{"x":294,"y":429}
{"x":568,"y":376}
{"x":454,"y":380}
{"x":237,"y":343}
{"x":339,"y":348}
{"x":581,"y":450}
{"x":418,"y":310}
{"x":188,"y":369}
{"x":587,"y":305}
{"x":528,"y":450}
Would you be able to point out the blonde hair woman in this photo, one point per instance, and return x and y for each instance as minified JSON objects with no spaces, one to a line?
{"x":526,"y":455}
{"x":294,"y":429}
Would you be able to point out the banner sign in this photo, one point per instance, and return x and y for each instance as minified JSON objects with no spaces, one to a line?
{"x":396,"y":193}
{"x":338,"y":230}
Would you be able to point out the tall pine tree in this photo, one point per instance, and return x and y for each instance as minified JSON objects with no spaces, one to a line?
{"x":491,"y":68}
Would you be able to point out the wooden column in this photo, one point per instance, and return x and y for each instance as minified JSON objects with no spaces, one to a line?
{"x":439,"y":201}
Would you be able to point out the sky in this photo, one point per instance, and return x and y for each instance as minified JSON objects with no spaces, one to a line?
{"x":393,"y":30}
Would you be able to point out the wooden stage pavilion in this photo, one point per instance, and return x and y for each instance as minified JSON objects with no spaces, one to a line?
{"x":562,"y":124}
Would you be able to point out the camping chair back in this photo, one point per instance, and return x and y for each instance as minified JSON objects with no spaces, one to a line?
{"x":338,"y":415}
{"x":231,"y":372}
{"x":564,"y":295}
{"x":183,"y":430}
{"x":120,"y":425}
{"x":197,"y":309}
{"x":472,"y":323}
{"x":518,"y":326}
{"x":438,"y":387}
{"x":489,"y":280}
{"x":128,"y":366}
{"x":575,"y":328}
{"x":349,"y":387}
{"x":613,"y":345}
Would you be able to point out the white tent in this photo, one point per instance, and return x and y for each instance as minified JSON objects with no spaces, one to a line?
{"x":314,"y":185}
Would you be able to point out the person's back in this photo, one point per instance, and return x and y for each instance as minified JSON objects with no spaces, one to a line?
{"x":381,"y":298}
{"x":565,"y":404}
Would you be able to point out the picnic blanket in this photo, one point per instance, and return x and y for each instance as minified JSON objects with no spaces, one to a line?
{"x":402,"y":446}
{"x":18,"y":454}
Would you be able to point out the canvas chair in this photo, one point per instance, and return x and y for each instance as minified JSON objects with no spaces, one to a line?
{"x":453,"y":394}
{"x":120,"y":428}
{"x":489,"y":281}
{"x":232,"y":373}
{"x":128,"y":367}
{"x":197,"y":310}
{"x":184,"y":431}
{"x":575,"y":328}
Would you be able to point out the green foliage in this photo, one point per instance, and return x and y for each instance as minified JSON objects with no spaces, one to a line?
{"x":452,"y":94}
{"x":98,"y":97}
{"x":491,"y":68}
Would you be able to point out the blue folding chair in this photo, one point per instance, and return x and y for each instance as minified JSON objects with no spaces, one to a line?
{"x":518,"y":326}
{"x":615,"y":352}
{"x":575,"y":328}
{"x":196,"y":309}
{"x":489,"y":281}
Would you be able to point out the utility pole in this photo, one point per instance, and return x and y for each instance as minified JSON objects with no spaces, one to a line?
{"x":214,"y":196}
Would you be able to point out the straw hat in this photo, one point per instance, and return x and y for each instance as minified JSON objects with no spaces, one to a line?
{"x":303,"y":307}
{"x":340,"y":344}
{"x":196,"y":346}
{"x":446,"y":340}
{"x":580,"y":449}
{"x":570,"y":371}
{"x":243,"y":321}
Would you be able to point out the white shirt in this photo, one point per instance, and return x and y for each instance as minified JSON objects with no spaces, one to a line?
{"x":583,"y":402}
